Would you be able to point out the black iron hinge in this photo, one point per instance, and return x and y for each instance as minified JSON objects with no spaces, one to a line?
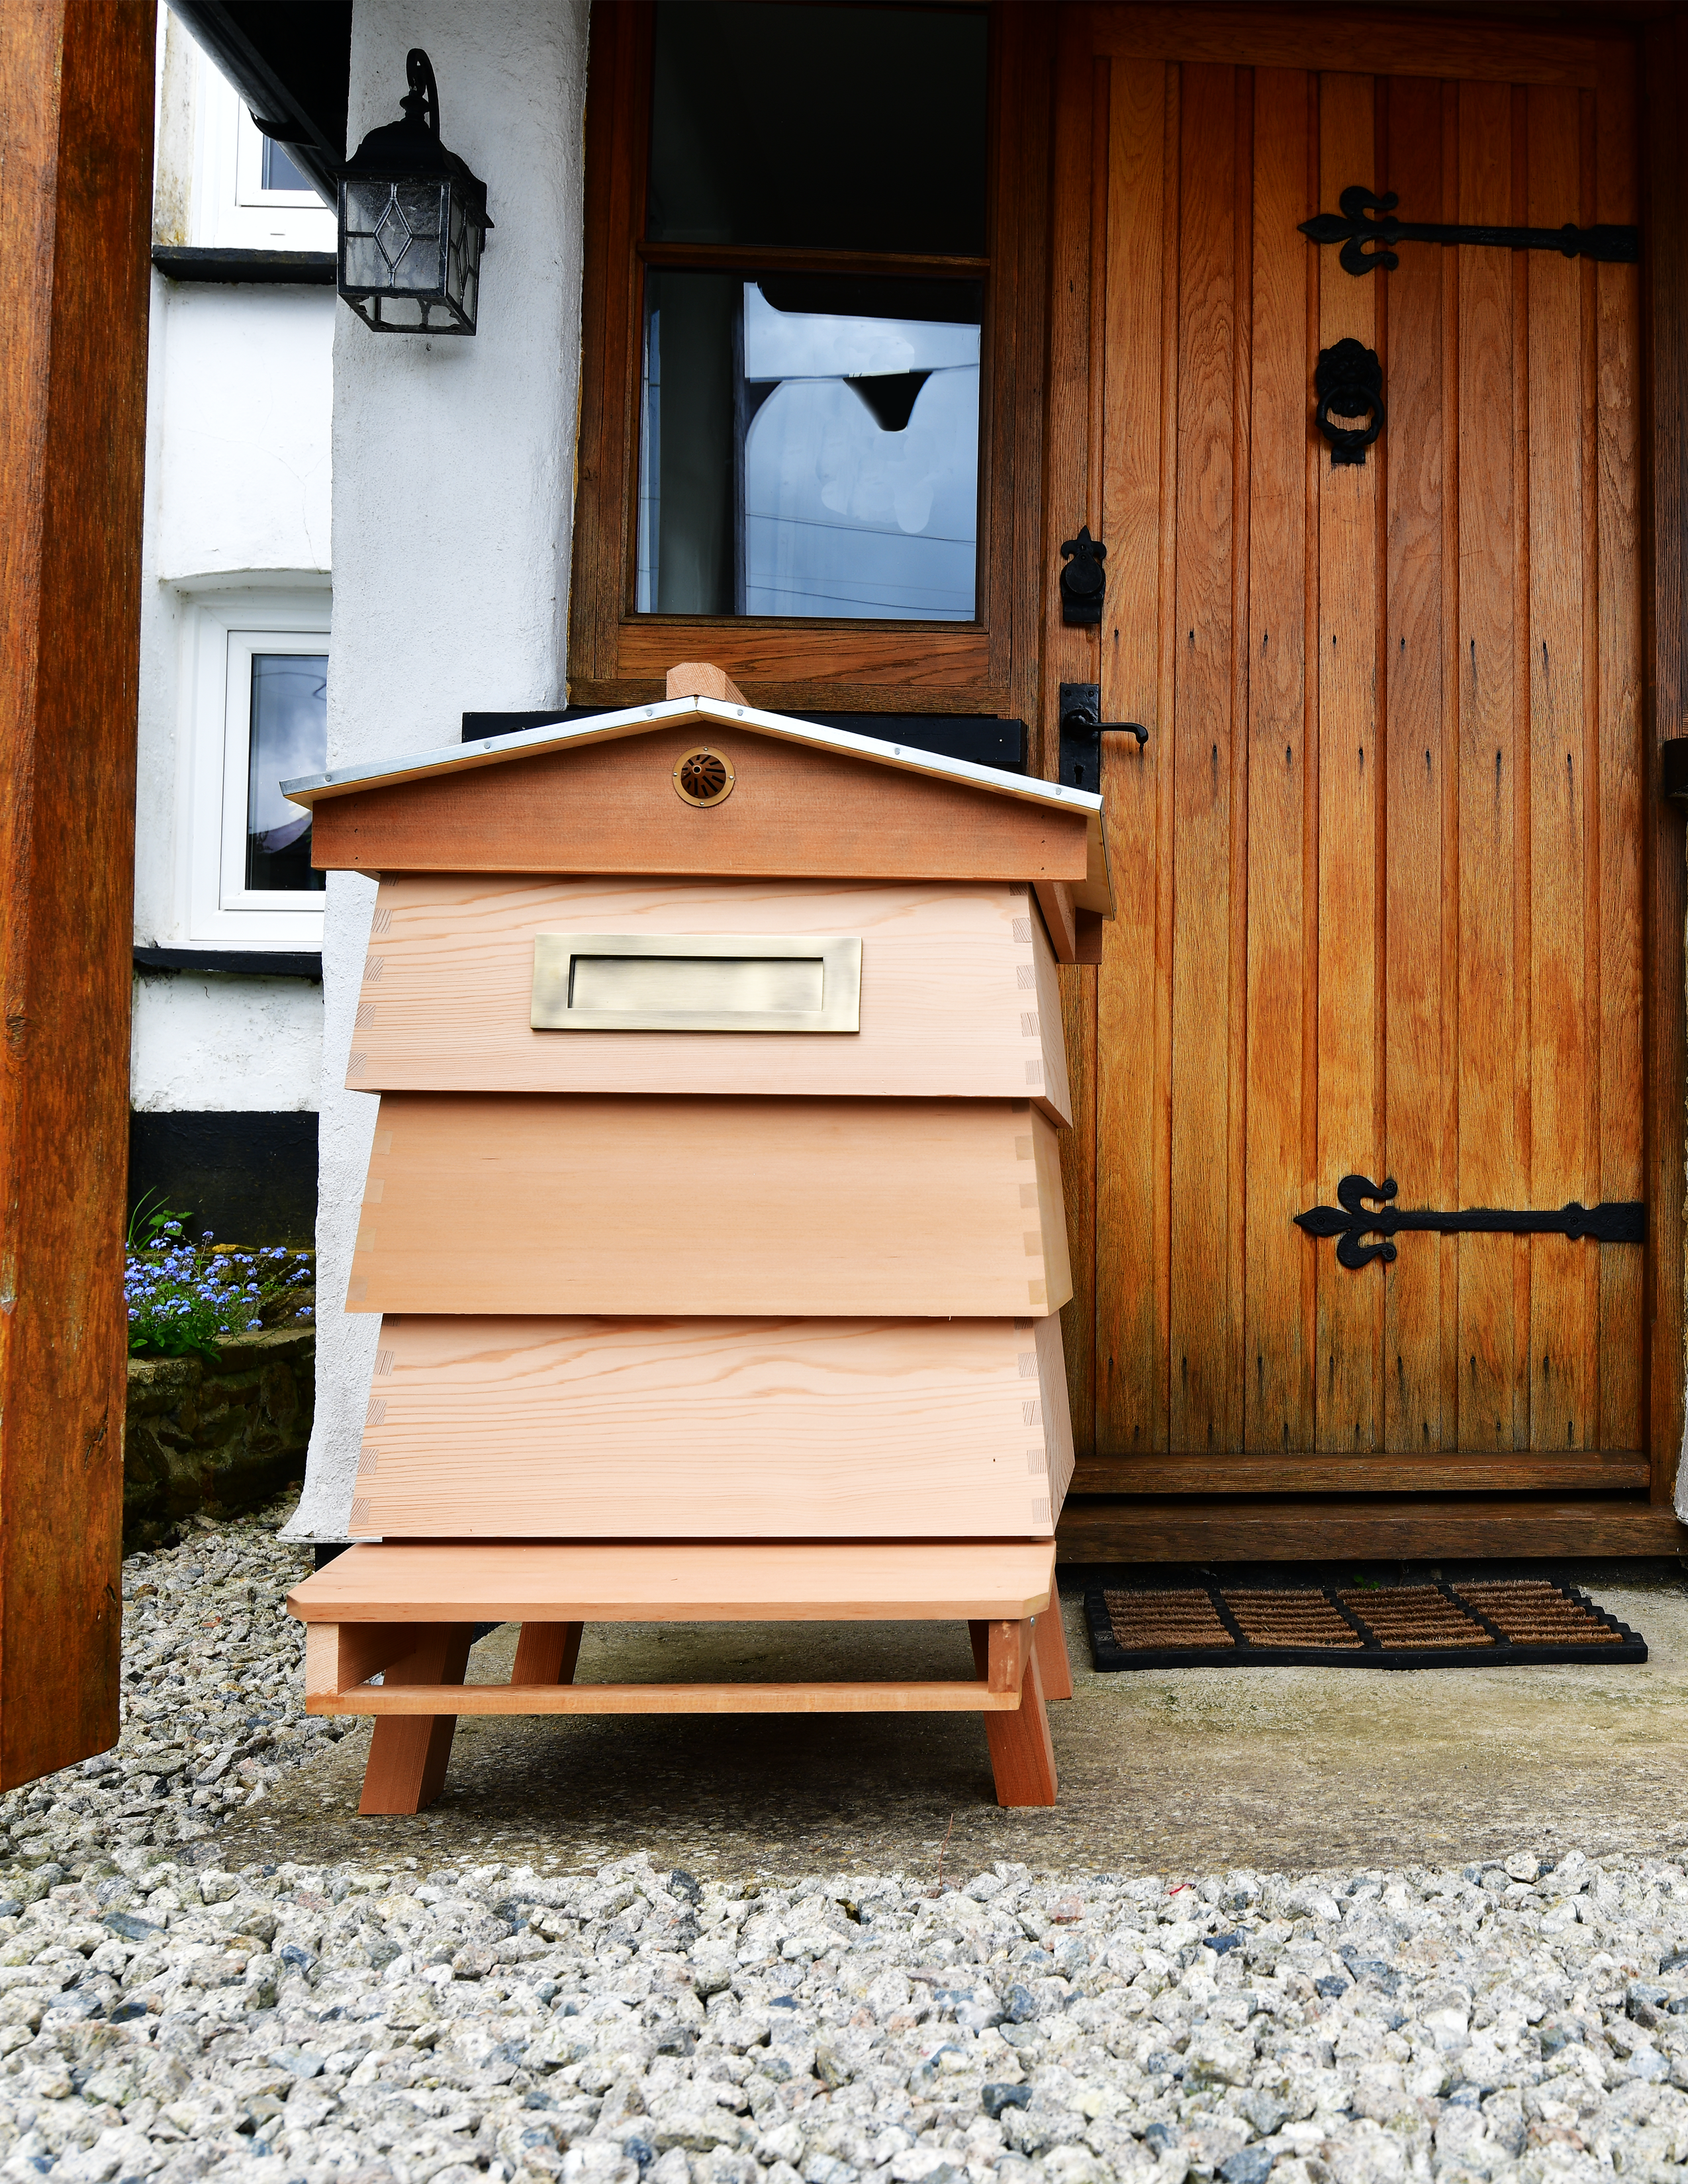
{"x":1369,"y":245}
{"x":1615,"y":1221}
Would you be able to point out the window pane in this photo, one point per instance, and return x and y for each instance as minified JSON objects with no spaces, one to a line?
{"x":809,"y":447}
{"x":289,"y":737}
{"x":279,"y":171}
{"x":834,"y":128}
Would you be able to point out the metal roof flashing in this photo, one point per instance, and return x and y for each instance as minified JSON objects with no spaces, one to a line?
{"x":1094,"y":892}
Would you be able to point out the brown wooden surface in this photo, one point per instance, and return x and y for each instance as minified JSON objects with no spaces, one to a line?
{"x":338,"y":1656}
{"x":929,"y":1207}
{"x":1450,"y":1473}
{"x":788,"y":1581}
{"x":1021,"y":1755}
{"x":617,"y":657}
{"x":547,"y":1653}
{"x":77,"y":123}
{"x":1054,"y":1668}
{"x":795,"y":811}
{"x":700,"y":1428}
{"x":1311,"y":1528}
{"x":701,"y":678}
{"x":959,"y":996}
{"x":411,"y":1707}
{"x":1382,"y":871}
{"x":1509,"y":48}
{"x":406,"y":1770}
{"x":1663,"y":470}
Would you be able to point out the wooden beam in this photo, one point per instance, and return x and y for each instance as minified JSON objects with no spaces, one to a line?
{"x":76,"y":125}
{"x":1664,"y":512}
{"x":425,"y":1700}
{"x":1457,"y":1472}
{"x":1315,"y":1528}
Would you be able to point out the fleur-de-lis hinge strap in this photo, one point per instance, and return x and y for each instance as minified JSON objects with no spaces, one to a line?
{"x":1621,"y":1221}
{"x":1369,"y":244}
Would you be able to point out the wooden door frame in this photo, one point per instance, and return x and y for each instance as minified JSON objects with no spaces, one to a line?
{"x":1172,"y":1527}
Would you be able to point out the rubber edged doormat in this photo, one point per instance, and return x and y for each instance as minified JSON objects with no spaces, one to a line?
{"x":1483,"y":1624}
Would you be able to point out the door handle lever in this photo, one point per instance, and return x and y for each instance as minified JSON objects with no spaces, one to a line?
{"x":1082,"y":730}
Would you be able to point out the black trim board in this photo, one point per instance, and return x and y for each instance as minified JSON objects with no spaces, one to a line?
{"x":234,"y":962}
{"x":248,"y":1176}
{"x":981,"y":738}
{"x":295,"y":269}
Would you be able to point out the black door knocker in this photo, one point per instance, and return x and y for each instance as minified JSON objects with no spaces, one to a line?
{"x":1082,"y":580}
{"x":1349,"y":383}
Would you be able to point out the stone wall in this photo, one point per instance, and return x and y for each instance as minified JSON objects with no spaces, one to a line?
{"x":218,"y":1437}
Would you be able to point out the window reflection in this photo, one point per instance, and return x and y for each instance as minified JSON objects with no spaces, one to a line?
{"x":289,"y":737}
{"x":809,"y":447}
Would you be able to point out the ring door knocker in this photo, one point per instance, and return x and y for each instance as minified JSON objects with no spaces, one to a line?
{"x":1349,"y":382}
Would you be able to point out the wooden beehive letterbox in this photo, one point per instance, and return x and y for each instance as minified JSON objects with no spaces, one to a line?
{"x":715,"y":1190}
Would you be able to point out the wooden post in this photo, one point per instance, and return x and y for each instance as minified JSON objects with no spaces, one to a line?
{"x":409,"y":1754}
{"x":76,"y":128}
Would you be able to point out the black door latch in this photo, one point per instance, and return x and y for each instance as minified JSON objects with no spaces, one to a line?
{"x":1083,"y":584}
{"x":1082,"y":730}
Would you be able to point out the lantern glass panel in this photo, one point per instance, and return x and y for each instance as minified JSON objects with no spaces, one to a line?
{"x":411,"y":253}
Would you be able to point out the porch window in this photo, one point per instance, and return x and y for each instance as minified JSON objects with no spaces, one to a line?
{"x":803,"y":298}
{"x":809,"y":438}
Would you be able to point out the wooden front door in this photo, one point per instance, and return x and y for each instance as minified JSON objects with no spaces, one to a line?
{"x":1382,"y":866}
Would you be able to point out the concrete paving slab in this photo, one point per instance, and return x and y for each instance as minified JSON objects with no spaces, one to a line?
{"x":1184,"y":1770}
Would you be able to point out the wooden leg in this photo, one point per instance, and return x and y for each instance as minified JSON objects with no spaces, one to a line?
{"x":409,"y":1752}
{"x":546,"y":1653}
{"x":1022,"y":1757}
{"x":1049,"y":1640}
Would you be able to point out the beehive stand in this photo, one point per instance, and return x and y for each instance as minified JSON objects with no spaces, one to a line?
{"x":749,"y":1308}
{"x":406,"y":1613}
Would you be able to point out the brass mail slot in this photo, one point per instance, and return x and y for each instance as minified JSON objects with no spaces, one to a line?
{"x":675,"y":982}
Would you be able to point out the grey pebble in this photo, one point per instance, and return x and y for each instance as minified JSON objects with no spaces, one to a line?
{"x":383,"y":2023}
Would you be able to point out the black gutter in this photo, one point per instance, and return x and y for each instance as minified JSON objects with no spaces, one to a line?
{"x":297,"y":269}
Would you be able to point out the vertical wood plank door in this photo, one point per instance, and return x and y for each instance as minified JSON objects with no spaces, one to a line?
{"x":1381,"y":866}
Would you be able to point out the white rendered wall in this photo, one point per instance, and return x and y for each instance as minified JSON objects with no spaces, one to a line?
{"x":454,"y":486}
{"x":239,"y":401}
{"x":256,"y":1043}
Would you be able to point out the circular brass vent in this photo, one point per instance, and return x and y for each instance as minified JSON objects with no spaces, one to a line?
{"x":703,"y":777}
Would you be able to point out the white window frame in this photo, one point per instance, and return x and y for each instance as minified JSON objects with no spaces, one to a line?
{"x":223,"y":633}
{"x":249,"y":190}
{"x":232,"y":209}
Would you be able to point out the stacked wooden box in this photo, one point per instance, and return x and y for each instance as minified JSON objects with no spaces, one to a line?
{"x":722,"y":1205}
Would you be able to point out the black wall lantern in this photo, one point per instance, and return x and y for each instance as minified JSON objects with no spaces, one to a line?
{"x":412,"y":220}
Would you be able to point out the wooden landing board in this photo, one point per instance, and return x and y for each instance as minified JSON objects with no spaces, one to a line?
{"x":783,"y":1581}
{"x":1268,"y":1528}
{"x":688,"y":1428}
{"x":506,"y":1203}
{"x":959,"y":995}
{"x":795,"y":810}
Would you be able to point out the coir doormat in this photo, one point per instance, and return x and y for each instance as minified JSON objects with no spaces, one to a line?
{"x":1483,"y":1624}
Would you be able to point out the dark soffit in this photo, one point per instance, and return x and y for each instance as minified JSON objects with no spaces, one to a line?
{"x":291,"y":61}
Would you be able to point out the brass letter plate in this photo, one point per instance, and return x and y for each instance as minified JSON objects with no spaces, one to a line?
{"x":674,"y":982}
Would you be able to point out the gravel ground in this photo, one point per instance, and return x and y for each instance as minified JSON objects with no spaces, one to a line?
{"x":213,"y":1702}
{"x":161,"y":2016}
